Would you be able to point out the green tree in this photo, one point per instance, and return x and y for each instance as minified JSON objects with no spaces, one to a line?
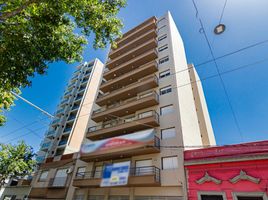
{"x":34,"y":33}
{"x":15,"y":161}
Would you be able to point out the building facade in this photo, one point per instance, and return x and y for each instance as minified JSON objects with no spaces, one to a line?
{"x":234,"y":172}
{"x":150,"y":99}
{"x":16,"y":189}
{"x":58,"y":155}
{"x":66,"y":131}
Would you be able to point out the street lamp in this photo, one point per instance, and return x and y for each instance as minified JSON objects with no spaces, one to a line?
{"x":219,"y":29}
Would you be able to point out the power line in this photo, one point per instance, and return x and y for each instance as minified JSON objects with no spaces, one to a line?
{"x":33,"y":105}
{"x":15,"y":138}
{"x":22,"y":127}
{"x":222,"y":12}
{"x":218,"y":71}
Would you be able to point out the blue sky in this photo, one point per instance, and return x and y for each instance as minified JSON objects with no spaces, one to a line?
{"x":247,"y":88}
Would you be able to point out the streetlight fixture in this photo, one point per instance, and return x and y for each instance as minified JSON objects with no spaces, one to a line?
{"x":219,"y":29}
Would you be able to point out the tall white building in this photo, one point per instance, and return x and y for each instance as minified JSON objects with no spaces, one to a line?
{"x":66,"y":131}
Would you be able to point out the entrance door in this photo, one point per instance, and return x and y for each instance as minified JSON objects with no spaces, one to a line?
{"x":144,"y":167}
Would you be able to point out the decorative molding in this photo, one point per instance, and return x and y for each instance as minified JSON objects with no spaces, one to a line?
{"x":208,"y":178}
{"x":244,"y":176}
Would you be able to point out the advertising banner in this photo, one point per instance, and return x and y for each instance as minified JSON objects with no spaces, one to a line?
{"x":120,"y":143}
{"x":115,"y":174}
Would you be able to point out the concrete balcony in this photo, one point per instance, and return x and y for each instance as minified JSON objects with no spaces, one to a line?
{"x":139,"y":40}
{"x":127,"y":56}
{"x":125,"y":146}
{"x":127,"y":107}
{"x":138,"y":177}
{"x":128,"y":91}
{"x":45,"y":146}
{"x":134,"y":63}
{"x":60,"y":111}
{"x":144,"y":27}
{"x":51,"y":134}
{"x":55,"y":122}
{"x":128,"y":77}
{"x":48,"y":193}
{"x":123,"y":126}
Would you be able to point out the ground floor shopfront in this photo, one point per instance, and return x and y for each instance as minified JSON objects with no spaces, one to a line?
{"x":129,"y":193}
{"x":237,"y":172}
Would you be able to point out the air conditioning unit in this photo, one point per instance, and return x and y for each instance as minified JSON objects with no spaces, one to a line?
{"x":70,"y":170}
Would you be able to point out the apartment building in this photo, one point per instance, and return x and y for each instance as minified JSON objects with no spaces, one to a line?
{"x":151,"y":107}
{"x":65,"y":135}
{"x":66,"y":131}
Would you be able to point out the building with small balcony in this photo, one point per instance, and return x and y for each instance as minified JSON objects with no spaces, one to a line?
{"x":76,"y":101}
{"x":140,"y":109}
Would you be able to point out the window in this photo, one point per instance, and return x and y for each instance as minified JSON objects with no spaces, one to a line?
{"x":166,"y":110}
{"x":211,"y":197}
{"x":81,"y":171}
{"x":145,"y":114}
{"x":162,"y":37}
{"x":43,"y":176}
{"x":168,"y":133}
{"x":249,"y":196}
{"x":98,"y":171}
{"x":60,"y":178}
{"x":164,"y":74}
{"x":13,"y":182}
{"x":143,"y":167}
{"x":130,"y":118}
{"x":78,"y":197}
{"x":165,"y":90}
{"x":163,"y":60}
{"x":170,"y":162}
{"x":164,"y":47}
{"x":9,"y":197}
{"x":161,"y":28}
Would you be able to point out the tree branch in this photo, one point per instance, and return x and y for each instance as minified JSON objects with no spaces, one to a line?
{"x":5,"y":16}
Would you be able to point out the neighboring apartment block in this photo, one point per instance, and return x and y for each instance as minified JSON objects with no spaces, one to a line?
{"x":151,"y":106}
{"x":66,"y":131}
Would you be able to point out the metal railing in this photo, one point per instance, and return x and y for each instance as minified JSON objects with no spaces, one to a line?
{"x":50,"y":133}
{"x":63,"y":142}
{"x":132,"y":71}
{"x":127,"y":86}
{"x":150,"y":94}
{"x":58,"y":182}
{"x":67,"y":129}
{"x":72,"y":117}
{"x":75,"y":107}
{"x":120,"y":121}
{"x":134,"y":171}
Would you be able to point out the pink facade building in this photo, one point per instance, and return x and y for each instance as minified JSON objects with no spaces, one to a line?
{"x":234,"y":172}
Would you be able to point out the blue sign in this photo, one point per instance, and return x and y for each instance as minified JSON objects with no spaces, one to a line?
{"x":115,"y":174}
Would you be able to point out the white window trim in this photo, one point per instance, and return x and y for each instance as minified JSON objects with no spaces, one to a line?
{"x":162,"y":160}
{"x":163,"y":58}
{"x":164,"y":72}
{"x":249,"y":194}
{"x":199,"y":193}
{"x":167,"y":129}
{"x":165,"y":89}
{"x":162,"y":37}
{"x":163,"y":48}
{"x":171,"y":105}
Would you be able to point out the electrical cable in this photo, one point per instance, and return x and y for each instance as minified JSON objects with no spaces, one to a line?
{"x":218,"y":71}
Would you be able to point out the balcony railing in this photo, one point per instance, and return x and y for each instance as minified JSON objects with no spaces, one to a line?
{"x":50,"y":133}
{"x":72,"y":117}
{"x":68,"y":93}
{"x":59,"y":111}
{"x":45,"y":145}
{"x":67,"y":129}
{"x":117,"y":122}
{"x":64,"y":101}
{"x":138,"y":176}
{"x":75,"y":107}
{"x":127,"y":86}
{"x":119,"y":104}
{"x":78,"y":98}
{"x":58,"y":182}
{"x":63,"y":142}
{"x":55,"y":121}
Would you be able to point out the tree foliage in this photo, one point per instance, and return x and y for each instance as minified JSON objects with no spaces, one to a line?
{"x":15,"y":161}
{"x":34,"y":33}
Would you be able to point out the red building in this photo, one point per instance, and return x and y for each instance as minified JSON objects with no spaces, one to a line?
{"x":237,"y":172}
